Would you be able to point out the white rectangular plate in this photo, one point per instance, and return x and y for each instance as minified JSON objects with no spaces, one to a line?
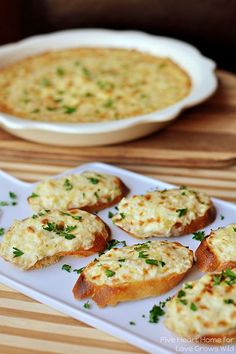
{"x":52,"y":286}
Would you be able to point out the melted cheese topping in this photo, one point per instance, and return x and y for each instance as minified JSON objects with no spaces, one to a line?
{"x":212,"y":314}
{"x":75,"y":191}
{"x":36,"y":243}
{"x":157,"y":213}
{"x":129,"y":263}
{"x":223,"y":243}
{"x":91,"y":85}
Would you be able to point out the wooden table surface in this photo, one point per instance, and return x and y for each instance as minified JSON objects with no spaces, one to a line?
{"x":198,"y":150}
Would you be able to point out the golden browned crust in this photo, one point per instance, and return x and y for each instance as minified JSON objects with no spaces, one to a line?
{"x":225,"y":338}
{"x":207,"y":261}
{"x":197,"y":224}
{"x":106,"y":295}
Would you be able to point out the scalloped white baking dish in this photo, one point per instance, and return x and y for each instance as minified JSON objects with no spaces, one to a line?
{"x":200,"y":69}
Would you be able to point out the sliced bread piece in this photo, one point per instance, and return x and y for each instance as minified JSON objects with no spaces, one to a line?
{"x":205,"y":309}
{"x":172,"y":212}
{"x":217,"y":251}
{"x":134,"y":272}
{"x":89,"y":190}
{"x":45,"y":237}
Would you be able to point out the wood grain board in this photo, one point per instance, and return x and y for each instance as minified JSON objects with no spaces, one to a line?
{"x":205,"y":136}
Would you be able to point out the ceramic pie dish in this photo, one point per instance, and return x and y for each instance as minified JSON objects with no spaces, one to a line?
{"x":199,"y":69}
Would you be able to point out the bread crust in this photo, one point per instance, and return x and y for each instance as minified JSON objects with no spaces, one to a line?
{"x":111,"y":295}
{"x":225,"y":338}
{"x":207,"y":260}
{"x":197,"y":224}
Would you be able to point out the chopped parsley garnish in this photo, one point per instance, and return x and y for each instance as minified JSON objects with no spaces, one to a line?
{"x":2,"y":231}
{"x":87,"y":305}
{"x":141,"y":246}
{"x":12,"y":195}
{"x":231,"y":275}
{"x":110,"y":214}
{"x":67,"y":185}
{"x":142,"y":254}
{"x":121,"y":260}
{"x":93,"y":180}
{"x":217,"y":279}
{"x":76,"y":217}
{"x":17,"y":252}
{"x":51,"y":108}
{"x":96,"y":195}
{"x":3,"y":203}
{"x":36,"y":110}
{"x":109,"y":273}
{"x":181,"y":293}
{"x":78,"y":271}
{"x":132,"y":323}
{"x":199,"y":236}
{"x":222,"y":217}
{"x":60,"y":71}
{"x":86,"y":72}
{"x":183,"y":301}
{"x":45,"y":82}
{"x":234,"y":228}
{"x":193,"y":307}
{"x":227,"y":276}
{"x":181,"y":212}
{"x":60,"y":230}
{"x":70,"y":110}
{"x":229,"y":301}
{"x":66,"y":267}
{"x":108,"y":103}
{"x":188,"y":286}
{"x":34,"y":195}
{"x":122,"y":215}
{"x":112,"y":243}
{"x":70,"y":228}
{"x":154,"y":262}
{"x":155,"y":313}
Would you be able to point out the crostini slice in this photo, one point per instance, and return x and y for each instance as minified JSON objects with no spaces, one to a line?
{"x":89,"y":190}
{"x":205,"y":309}
{"x":217,"y":251}
{"x":134,"y":272}
{"x":45,"y":237}
{"x":165,"y":213}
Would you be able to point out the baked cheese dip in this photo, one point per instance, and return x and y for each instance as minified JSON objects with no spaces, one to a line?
{"x":86,"y":85}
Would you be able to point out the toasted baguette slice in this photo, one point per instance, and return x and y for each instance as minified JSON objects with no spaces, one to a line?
{"x":218,"y":250}
{"x":172,"y":212}
{"x":134,"y":272}
{"x":90,"y":191}
{"x":205,"y":309}
{"x":47,"y":236}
